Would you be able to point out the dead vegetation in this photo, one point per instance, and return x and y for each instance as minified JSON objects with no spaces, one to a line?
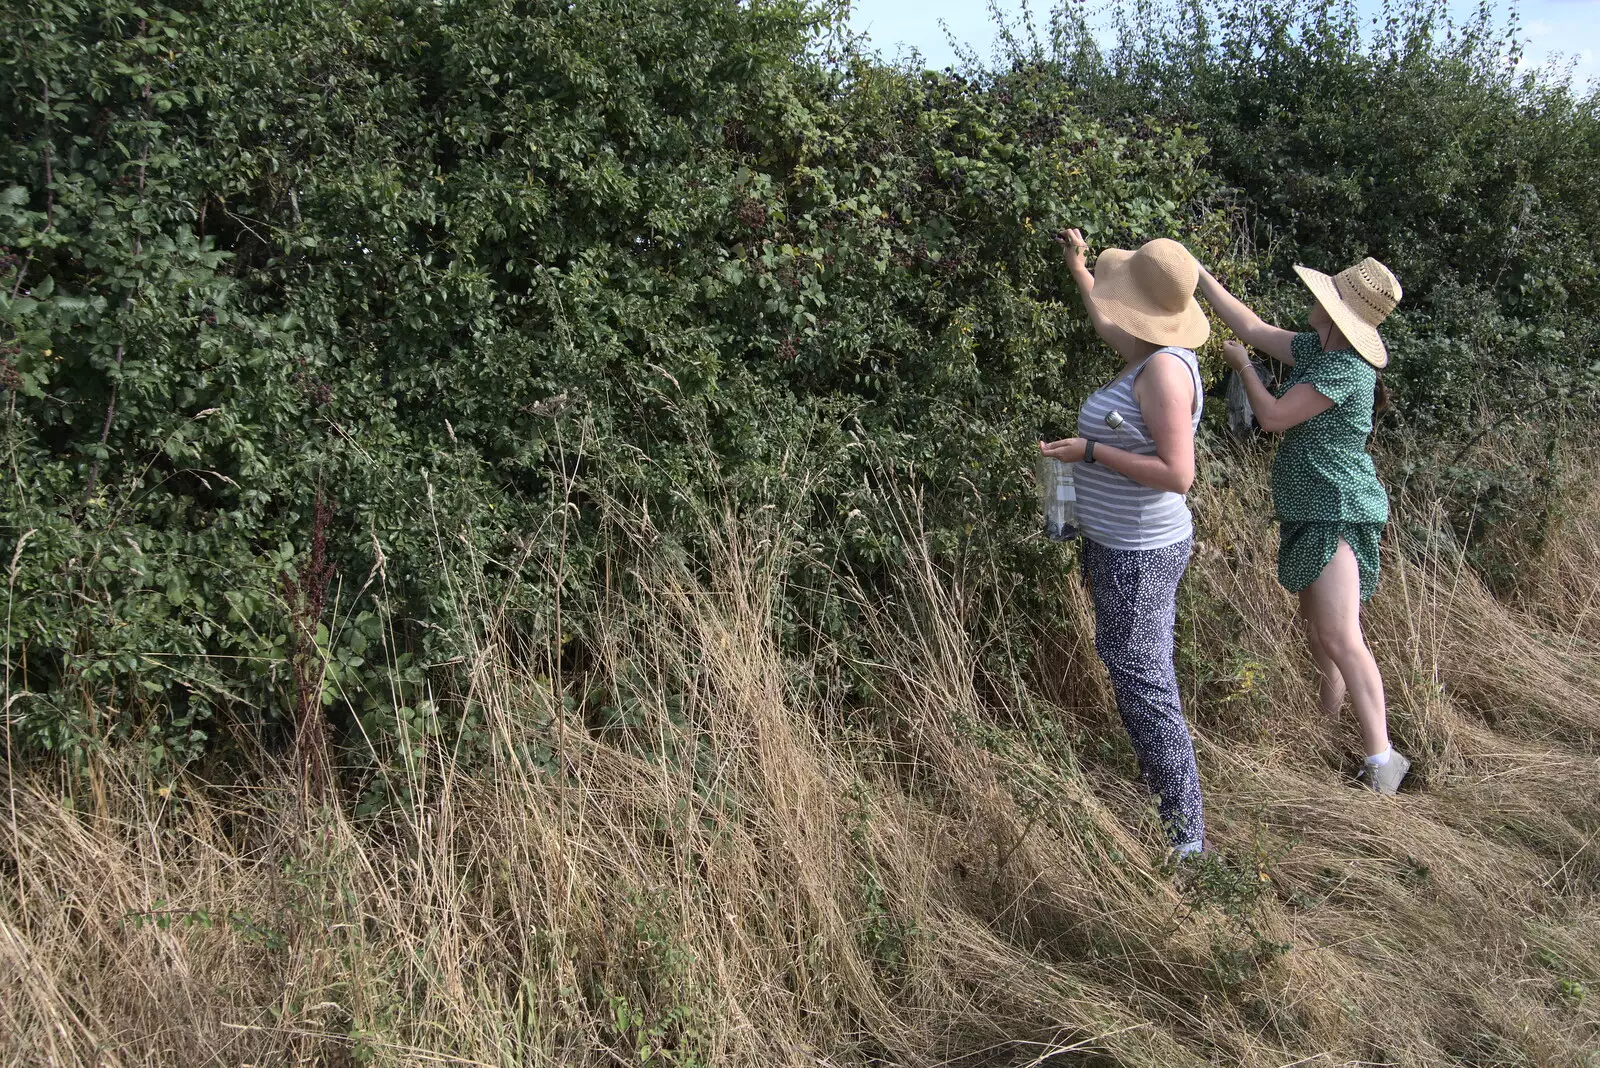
{"x":742,"y":871}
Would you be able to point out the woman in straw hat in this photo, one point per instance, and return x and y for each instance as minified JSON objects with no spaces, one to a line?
{"x":1135,"y":461}
{"x":1331,"y":507}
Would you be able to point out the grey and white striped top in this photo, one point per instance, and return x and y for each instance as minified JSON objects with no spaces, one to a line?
{"x":1113,"y":509}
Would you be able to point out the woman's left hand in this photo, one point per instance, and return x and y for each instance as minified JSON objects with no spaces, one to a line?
{"x":1076,"y":247}
{"x":1067,"y":450}
{"x":1237,"y":355}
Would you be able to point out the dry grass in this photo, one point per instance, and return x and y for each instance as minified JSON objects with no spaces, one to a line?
{"x":745,"y":871}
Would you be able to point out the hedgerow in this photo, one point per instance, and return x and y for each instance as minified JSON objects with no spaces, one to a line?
{"x":300,"y":290}
{"x":297,"y":292}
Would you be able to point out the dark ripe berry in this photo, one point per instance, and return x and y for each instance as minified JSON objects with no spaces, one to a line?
{"x":735,"y":136}
{"x":786,"y":350}
{"x":752,"y":213}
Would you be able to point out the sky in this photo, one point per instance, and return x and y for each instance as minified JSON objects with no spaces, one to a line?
{"x":1568,"y":27}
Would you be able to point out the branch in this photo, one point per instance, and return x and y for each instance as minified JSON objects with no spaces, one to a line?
{"x":138,"y":249}
{"x":22,"y":272}
{"x":49,"y":171}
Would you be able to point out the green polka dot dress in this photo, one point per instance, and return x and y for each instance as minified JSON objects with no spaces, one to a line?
{"x":1324,"y":484}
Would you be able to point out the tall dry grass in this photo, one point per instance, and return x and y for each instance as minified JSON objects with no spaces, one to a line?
{"x":959,"y":870}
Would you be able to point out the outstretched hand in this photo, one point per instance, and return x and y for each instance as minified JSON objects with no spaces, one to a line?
{"x":1067,"y":450}
{"x":1077,"y":248}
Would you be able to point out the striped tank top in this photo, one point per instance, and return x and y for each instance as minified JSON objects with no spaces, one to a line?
{"x":1113,"y":509}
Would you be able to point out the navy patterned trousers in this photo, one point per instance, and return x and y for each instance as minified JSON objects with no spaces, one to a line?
{"x":1135,"y":611}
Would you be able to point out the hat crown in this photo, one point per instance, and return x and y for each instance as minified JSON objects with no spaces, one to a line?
{"x":1166,"y":273}
{"x":1369,"y":289}
{"x":1150,"y":293}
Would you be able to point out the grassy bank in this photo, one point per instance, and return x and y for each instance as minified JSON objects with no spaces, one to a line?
{"x":683,"y":849}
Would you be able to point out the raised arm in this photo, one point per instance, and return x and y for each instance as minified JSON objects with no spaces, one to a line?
{"x":1247,"y":324}
{"x":1124,"y":343}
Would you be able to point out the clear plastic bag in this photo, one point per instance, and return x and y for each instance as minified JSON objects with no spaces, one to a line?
{"x":1241,"y":417}
{"x":1058,"y":498}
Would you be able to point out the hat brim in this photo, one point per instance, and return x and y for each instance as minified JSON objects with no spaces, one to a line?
{"x":1118,"y":297}
{"x":1362,"y":335}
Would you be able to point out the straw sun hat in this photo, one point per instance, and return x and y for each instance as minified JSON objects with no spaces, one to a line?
{"x":1150,"y":293}
{"x":1357,"y":299}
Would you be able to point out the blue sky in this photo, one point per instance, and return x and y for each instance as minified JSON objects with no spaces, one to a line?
{"x":1568,"y":27}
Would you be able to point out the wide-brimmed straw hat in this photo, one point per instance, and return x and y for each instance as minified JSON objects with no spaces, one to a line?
{"x":1357,"y":299}
{"x":1150,"y":293}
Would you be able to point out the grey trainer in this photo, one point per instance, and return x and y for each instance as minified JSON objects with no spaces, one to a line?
{"x":1386,"y":779}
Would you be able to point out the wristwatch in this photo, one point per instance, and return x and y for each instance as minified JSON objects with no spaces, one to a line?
{"x":1088,"y":450}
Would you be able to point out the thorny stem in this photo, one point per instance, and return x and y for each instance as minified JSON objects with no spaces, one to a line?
{"x":105,"y":428}
{"x":138,"y":248}
{"x":307,"y":597}
{"x":49,"y":172}
{"x":22,"y":272}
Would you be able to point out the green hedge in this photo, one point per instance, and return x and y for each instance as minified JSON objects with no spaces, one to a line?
{"x":445,"y":273}
{"x":444,"y":266}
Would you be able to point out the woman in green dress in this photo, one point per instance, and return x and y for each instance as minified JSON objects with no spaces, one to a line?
{"x":1331,"y":507}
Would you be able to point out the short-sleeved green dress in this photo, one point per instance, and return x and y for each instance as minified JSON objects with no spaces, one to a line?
{"x":1324,"y":484}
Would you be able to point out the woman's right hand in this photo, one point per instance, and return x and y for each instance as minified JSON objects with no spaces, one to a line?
{"x":1067,"y":450}
{"x":1077,"y":248}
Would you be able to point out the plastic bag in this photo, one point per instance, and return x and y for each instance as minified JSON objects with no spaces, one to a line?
{"x":1058,"y":498}
{"x":1241,"y":417}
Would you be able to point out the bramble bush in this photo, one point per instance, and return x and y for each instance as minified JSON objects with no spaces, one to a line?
{"x":433,"y":272}
{"x":304,"y":303}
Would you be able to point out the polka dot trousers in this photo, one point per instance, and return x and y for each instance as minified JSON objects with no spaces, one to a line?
{"x":1135,"y":610}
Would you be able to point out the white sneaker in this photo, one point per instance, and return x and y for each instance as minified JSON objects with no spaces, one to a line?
{"x":1385,"y":779}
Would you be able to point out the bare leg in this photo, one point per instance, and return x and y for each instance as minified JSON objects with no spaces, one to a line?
{"x":1333,"y":605}
{"x":1330,"y":684}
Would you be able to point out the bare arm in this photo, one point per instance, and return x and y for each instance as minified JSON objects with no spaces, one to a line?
{"x":1122,"y":342}
{"x":1165,"y":392}
{"x":1275,"y":414}
{"x":1272,"y":340}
